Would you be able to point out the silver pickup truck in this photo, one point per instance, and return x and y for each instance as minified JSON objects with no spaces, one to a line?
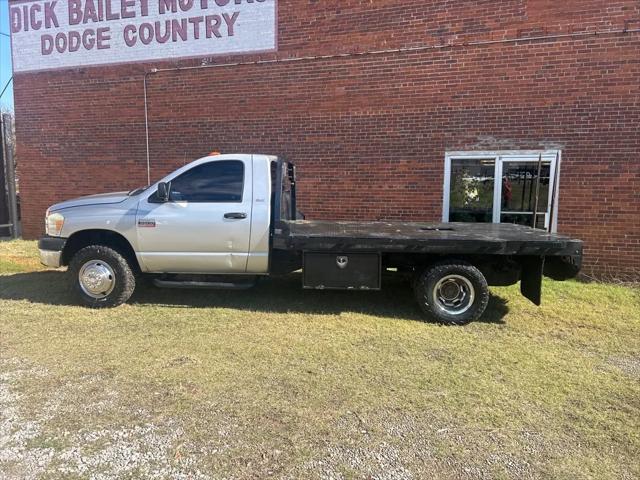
{"x":226,"y":220}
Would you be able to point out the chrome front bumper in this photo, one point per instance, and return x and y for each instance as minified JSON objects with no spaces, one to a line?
{"x":51,"y":251}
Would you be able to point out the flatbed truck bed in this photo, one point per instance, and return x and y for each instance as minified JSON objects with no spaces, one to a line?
{"x":423,"y":237}
{"x":504,"y":253}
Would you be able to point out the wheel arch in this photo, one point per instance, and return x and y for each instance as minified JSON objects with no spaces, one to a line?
{"x":109,"y":238}
{"x":498,"y":270}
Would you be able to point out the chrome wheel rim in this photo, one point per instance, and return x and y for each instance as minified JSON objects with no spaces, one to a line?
{"x":454,"y":294}
{"x":97,"y":279}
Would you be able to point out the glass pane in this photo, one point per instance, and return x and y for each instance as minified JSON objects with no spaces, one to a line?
{"x":220,"y":181}
{"x":523,"y":219}
{"x":471,"y":197}
{"x":519,"y":181}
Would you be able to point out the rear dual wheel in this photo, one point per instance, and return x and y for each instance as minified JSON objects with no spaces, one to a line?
{"x":452,"y":292}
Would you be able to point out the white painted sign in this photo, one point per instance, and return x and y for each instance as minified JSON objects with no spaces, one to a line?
{"x":55,"y":34}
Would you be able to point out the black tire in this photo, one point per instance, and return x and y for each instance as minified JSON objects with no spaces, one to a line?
{"x":473,"y":292}
{"x":123,"y":277}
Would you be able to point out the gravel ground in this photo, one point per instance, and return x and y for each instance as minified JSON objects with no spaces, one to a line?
{"x":149,"y":450}
{"x":390,"y":446}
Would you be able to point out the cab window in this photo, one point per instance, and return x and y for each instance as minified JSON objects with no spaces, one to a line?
{"x":213,"y":182}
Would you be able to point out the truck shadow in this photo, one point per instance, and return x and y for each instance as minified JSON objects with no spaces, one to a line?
{"x":274,"y":295}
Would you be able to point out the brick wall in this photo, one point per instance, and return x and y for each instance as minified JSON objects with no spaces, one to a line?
{"x":369,"y":132}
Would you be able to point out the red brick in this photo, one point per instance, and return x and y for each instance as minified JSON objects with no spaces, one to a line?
{"x":370,"y":132}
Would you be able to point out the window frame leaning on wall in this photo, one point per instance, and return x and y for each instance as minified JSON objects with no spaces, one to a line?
{"x":553,"y":157}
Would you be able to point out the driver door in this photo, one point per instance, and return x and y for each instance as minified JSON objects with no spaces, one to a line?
{"x":205,"y":227}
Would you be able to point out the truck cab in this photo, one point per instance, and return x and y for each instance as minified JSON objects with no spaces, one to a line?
{"x":214,"y":218}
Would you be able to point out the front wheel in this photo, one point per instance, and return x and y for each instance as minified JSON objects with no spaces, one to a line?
{"x":101,"y":276}
{"x":453,"y":292}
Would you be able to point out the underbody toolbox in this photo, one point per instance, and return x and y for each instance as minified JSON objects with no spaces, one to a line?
{"x":344,"y":271}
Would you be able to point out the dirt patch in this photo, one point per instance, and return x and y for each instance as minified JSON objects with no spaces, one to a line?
{"x":34,"y":444}
{"x":395,"y":445}
{"x":19,"y":458}
{"x":629,"y":365}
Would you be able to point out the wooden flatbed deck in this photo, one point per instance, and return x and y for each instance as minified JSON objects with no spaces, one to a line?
{"x":418,"y":237}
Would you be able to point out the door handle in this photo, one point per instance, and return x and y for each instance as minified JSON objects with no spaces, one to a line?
{"x":235,"y":215}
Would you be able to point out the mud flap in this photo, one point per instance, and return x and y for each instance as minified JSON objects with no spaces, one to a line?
{"x":531,"y":278}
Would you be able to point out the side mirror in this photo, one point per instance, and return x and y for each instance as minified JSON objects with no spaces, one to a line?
{"x":164,"y":191}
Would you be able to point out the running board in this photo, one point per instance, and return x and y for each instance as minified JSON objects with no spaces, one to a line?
{"x":203,"y":285}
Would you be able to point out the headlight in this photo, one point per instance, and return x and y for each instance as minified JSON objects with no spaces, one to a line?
{"x":53,"y":224}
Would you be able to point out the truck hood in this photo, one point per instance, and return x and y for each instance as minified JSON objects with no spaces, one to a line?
{"x":100,"y":199}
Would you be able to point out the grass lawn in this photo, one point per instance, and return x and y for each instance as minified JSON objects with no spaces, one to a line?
{"x":278,"y":382}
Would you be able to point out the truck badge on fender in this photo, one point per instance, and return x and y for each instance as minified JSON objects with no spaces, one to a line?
{"x":147,"y":223}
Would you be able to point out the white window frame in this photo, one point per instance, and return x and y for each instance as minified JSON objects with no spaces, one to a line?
{"x":501,"y":156}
